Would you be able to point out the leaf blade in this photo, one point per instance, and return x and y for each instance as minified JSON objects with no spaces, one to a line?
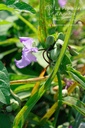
{"x":24,"y":6}
{"x":4,"y":85}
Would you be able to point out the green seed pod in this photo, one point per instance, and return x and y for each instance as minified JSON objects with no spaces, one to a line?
{"x":9,"y":108}
{"x":73,"y":52}
{"x":49,"y":41}
{"x":53,"y":54}
{"x":61,"y":36}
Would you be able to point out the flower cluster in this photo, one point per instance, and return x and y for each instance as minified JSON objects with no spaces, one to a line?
{"x":62,"y":3}
{"x":27,"y":56}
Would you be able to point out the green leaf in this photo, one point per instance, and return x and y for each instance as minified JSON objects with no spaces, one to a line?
{"x":78,"y":117}
{"x":75,"y":103}
{"x":10,"y":2}
{"x":5,"y":120}
{"x":27,"y":87}
{"x":7,"y":52}
{"x":77,"y":76}
{"x":14,"y":76}
{"x":9,"y":41}
{"x":66,"y":60}
{"x":4,"y":7}
{"x":24,"y":6}
{"x":4,"y":22}
{"x":61,"y":36}
{"x":4,"y":85}
{"x":4,"y":28}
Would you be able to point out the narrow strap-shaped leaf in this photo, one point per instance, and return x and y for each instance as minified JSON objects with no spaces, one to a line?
{"x":36,"y":86}
{"x":75,"y":103}
{"x":79,"y":117}
{"x":77,"y":76}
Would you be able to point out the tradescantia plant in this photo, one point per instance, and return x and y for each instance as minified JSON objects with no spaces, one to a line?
{"x":40,"y":100}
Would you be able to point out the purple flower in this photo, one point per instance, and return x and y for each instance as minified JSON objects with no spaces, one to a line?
{"x":68,"y":83}
{"x":27,"y":56}
{"x":62,"y":3}
{"x":70,"y":126}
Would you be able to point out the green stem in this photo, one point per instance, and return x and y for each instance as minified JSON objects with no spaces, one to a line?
{"x":9,"y":41}
{"x":59,"y":98}
{"x":60,"y":87}
{"x":28,"y":23}
{"x":42,"y":22}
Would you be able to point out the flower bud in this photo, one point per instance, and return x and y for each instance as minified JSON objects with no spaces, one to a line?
{"x":53,"y":54}
{"x":9,"y":108}
{"x":49,"y":41}
{"x":61,"y":36}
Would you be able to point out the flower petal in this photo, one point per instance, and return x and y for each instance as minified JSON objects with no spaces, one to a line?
{"x":22,"y":63}
{"x":28,"y":55}
{"x":27,"y":58}
{"x":27,"y":42}
{"x":34,"y":49}
{"x":23,"y":39}
{"x":62,"y":3}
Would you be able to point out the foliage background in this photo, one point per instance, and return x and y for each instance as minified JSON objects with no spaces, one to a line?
{"x":18,"y":21}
